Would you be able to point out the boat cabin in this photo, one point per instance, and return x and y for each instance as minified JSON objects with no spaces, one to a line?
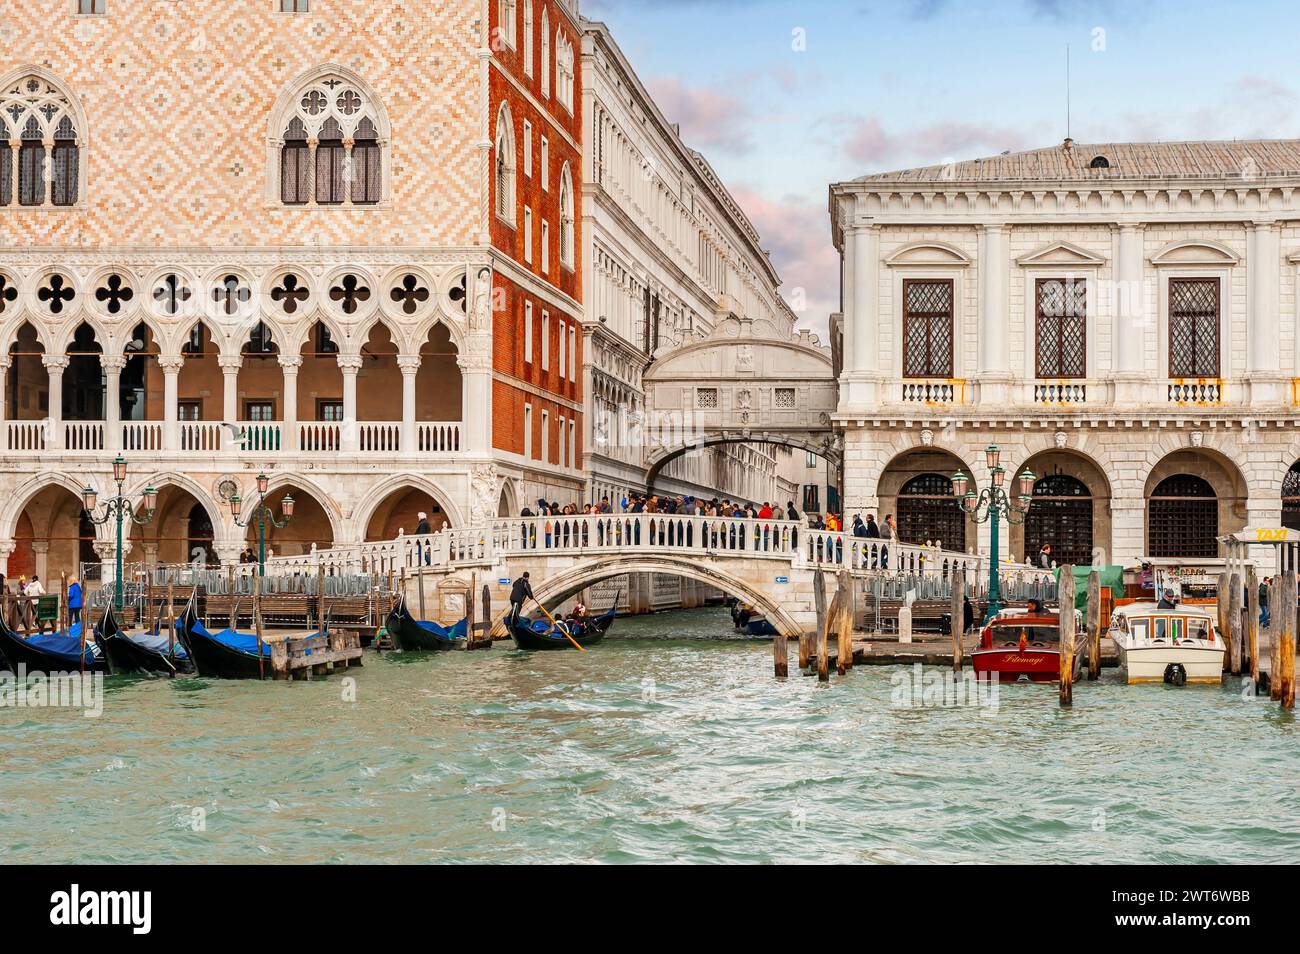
{"x":1150,"y":623}
{"x":1022,"y":631}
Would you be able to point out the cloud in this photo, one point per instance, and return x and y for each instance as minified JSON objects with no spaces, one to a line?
{"x":797,"y":233}
{"x":710,"y":118}
{"x":869,"y":142}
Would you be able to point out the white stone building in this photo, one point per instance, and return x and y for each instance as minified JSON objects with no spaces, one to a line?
{"x":669,"y":254}
{"x":1120,"y":318}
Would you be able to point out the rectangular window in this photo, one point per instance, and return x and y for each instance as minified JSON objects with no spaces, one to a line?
{"x":562,"y":436}
{"x":1061,"y":328}
{"x":784,"y":399}
{"x":706,"y":399}
{"x":367,"y":172}
{"x":31,"y":173}
{"x":87,"y":7}
{"x":546,"y":247}
{"x":189,"y":410}
{"x":528,"y":235}
{"x":1193,"y":327}
{"x":259,"y":411}
{"x":811,"y":462}
{"x":528,"y":431}
{"x":528,"y":332}
{"x":573,"y":354}
{"x":330,"y":411}
{"x":295,"y":173}
{"x":546,"y":165}
{"x":562,"y":344}
{"x":330,"y":179}
{"x":528,"y":148}
{"x":927,"y":328}
{"x":294,"y":6}
{"x":546,"y":341}
{"x":546,"y":437}
{"x":6,"y":174}
{"x":573,"y":443}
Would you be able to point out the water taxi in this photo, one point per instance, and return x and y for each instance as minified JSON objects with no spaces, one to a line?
{"x":1021,"y":645}
{"x":1176,"y":644}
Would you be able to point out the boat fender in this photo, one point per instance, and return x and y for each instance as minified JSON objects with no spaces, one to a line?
{"x":1175,"y":675}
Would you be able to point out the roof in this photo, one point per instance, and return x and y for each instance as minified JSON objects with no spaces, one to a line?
{"x":1204,"y":159}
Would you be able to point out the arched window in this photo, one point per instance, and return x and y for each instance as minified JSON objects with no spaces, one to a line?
{"x":346,"y":162}
{"x":505,"y":165}
{"x":546,"y":52}
{"x":42,"y":117}
{"x":1183,"y":518}
{"x":563,"y":70}
{"x":928,"y":512}
{"x":1291,"y":497}
{"x":1061,"y":515}
{"x":566,"y":217}
{"x":506,"y":22}
{"x":528,"y":37}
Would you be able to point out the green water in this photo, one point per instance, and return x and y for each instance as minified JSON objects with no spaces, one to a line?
{"x":647,"y":749}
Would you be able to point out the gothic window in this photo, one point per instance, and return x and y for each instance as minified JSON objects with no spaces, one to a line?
{"x":1290,"y":494}
{"x":39,"y":114}
{"x":506,"y":22}
{"x":1183,"y":518}
{"x":546,"y":52}
{"x":1061,"y":514}
{"x":927,"y":511}
{"x":331,"y":144}
{"x":528,"y":37}
{"x":1193,"y":327}
{"x":505,"y":166}
{"x":1061,"y":329}
{"x":927,"y":328}
{"x":566,"y":217}
{"x":563,"y":71}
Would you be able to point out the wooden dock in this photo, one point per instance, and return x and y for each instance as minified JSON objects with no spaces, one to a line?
{"x":303,"y":655}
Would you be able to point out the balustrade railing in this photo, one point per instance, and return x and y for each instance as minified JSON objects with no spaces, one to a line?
{"x":142,"y":436}
{"x":24,"y":435}
{"x":83,"y":435}
{"x":1195,"y":391}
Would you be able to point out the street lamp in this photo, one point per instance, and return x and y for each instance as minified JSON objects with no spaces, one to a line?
{"x":119,"y":508}
{"x":992,"y":504}
{"x":263,"y":515}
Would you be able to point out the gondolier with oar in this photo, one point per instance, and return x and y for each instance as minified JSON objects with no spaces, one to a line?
{"x":521,"y":590}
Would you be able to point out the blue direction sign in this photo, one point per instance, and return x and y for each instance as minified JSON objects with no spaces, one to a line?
{"x":783,"y":579}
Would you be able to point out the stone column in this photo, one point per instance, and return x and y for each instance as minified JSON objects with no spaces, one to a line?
{"x":7,"y":548}
{"x":55,"y":365}
{"x":171,"y":365}
{"x":410,"y":366}
{"x":349,"y":364}
{"x":847,"y":304}
{"x":994,"y":325}
{"x":112,"y":365}
{"x":864,"y":384}
{"x":230,"y":365}
{"x":476,"y":405}
{"x":1263,"y":330}
{"x":289,"y":365}
{"x":41,"y":552}
{"x":4,"y":386}
{"x":1130,"y":329}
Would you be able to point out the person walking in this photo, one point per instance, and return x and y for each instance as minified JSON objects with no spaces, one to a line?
{"x":34,"y":592}
{"x":423,"y":529}
{"x":521,"y":590}
{"x":75,"y":602}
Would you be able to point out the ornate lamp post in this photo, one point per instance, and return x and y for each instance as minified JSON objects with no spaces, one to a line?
{"x":121,"y":509}
{"x":991,"y":505}
{"x":263,"y":515}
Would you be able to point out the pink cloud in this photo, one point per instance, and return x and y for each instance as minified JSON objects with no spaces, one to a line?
{"x":709,"y":117}
{"x":870,"y":143}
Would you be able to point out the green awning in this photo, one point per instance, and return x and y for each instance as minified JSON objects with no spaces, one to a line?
{"x":1112,"y":576}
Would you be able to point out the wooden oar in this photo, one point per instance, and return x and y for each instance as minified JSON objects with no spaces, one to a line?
{"x":560,"y":626}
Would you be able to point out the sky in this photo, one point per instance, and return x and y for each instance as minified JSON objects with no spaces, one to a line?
{"x":787,"y":97}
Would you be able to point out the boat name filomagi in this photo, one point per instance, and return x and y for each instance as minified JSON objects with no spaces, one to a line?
{"x":74,"y":907}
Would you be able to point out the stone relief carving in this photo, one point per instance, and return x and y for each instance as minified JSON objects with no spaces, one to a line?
{"x":927,"y":437}
{"x":483,"y":493}
{"x":1060,"y":439}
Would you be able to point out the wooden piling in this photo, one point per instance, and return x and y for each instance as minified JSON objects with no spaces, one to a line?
{"x":420,"y":584}
{"x":1286,"y":642}
{"x":1252,"y":624}
{"x":1092,"y":619}
{"x":1234,"y":624}
{"x":1065,"y":597}
{"x":823,"y":640}
{"x":171,"y":619}
{"x":808,"y":641}
{"x":257,"y":621}
{"x":844,"y":624}
{"x":1222,"y":598}
{"x":957,"y":611}
{"x":780,"y":655}
{"x":320,"y":601}
{"x":1274,"y":632}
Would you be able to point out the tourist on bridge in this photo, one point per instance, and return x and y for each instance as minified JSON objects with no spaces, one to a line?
{"x":521,"y":591}
{"x":888,"y":534}
{"x":1045,"y":556}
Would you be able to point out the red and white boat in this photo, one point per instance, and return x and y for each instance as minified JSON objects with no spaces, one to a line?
{"x":1019,"y":645}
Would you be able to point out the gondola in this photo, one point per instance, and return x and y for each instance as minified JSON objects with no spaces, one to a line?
{"x":750,"y":621}
{"x":228,"y":654}
{"x":531,"y":633}
{"x":50,"y":652}
{"x":412,"y":634}
{"x":139,"y":652}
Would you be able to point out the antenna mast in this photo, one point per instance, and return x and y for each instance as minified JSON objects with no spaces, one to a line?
{"x":1067,"y":91}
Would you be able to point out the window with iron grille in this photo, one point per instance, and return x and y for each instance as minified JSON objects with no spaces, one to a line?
{"x":706,"y":398}
{"x":927,"y":328}
{"x":1183,"y":518}
{"x":1291,"y":498}
{"x":1061,"y":329}
{"x":1061,"y":514}
{"x":1193,"y":327}
{"x":928,"y":511}
{"x":784,"y":398}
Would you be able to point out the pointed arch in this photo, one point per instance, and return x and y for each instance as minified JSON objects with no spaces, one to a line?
{"x":566,"y":217}
{"x":39,"y":108}
{"x":503,"y":164}
{"x":546,"y":51}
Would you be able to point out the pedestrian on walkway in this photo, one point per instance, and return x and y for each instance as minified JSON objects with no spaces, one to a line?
{"x":75,"y":602}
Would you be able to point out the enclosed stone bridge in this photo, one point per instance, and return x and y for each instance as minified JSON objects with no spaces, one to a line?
{"x":769,"y":564}
{"x":743,"y":383}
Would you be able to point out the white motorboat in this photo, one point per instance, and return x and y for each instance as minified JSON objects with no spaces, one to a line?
{"x":1176,"y":645}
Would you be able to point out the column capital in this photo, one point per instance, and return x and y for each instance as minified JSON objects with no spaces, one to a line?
{"x":171,"y":363}
{"x":290,"y":363}
{"x":350,"y":362}
{"x":230,"y":363}
{"x":112,"y":363}
{"x":409,"y":363}
{"x":55,"y":362}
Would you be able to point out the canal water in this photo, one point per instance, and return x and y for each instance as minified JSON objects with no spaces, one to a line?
{"x":665,"y":744}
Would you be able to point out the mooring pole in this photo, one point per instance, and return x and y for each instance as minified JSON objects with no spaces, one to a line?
{"x":1065,"y":597}
{"x":1252,"y":624}
{"x":1222,"y":599}
{"x":844,"y":624}
{"x":1286,"y":649}
{"x":1234,"y":624}
{"x":1093,"y":623}
{"x":823,"y":640}
{"x":957,"y":621}
{"x":1274,"y":635}
{"x":807,"y":640}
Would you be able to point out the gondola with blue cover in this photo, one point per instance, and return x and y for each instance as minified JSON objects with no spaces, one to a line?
{"x":147,"y":652}
{"x":412,"y":634}
{"x":228,"y":654}
{"x":50,"y":652}
{"x":529,"y":633}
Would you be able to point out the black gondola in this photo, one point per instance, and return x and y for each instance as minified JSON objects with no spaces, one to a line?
{"x":411,"y":634}
{"x":228,"y":654}
{"x":139,"y":653}
{"x":50,"y":652}
{"x":529,"y":633}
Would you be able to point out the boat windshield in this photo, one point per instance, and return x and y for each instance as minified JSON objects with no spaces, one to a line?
{"x":1011,"y":635}
{"x":1168,"y":628}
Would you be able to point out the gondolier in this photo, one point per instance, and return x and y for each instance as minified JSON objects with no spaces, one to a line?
{"x":521,"y":591}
